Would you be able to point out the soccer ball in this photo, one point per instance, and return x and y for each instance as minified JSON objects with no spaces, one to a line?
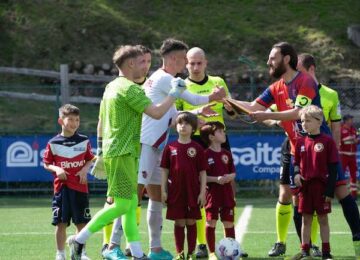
{"x":228,"y":249}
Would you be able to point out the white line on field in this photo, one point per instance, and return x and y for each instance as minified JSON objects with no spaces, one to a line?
{"x":243,"y":222}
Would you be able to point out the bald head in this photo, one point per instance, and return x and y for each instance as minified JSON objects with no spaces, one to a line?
{"x":196,"y":63}
{"x":196,"y":51}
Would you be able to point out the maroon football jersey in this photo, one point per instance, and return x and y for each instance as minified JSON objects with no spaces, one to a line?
{"x":220,"y":163}
{"x":184,"y":161}
{"x":313,"y":155}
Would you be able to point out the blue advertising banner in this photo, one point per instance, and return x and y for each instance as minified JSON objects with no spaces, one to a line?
{"x":255,"y":156}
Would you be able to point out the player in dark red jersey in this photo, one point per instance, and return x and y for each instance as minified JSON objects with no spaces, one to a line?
{"x":219,"y":195}
{"x":68,"y":156}
{"x":315,"y":166}
{"x":184,"y":183}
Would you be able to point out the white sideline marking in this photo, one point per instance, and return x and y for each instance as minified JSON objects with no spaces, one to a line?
{"x":243,"y":222}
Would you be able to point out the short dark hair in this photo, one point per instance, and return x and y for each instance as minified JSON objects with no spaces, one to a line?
{"x":67,"y":110}
{"x":287,"y":49}
{"x":124,"y":52}
{"x":210,"y":129}
{"x":170,"y":45}
{"x":143,"y":48}
{"x":189,"y":118}
{"x":307,"y":60}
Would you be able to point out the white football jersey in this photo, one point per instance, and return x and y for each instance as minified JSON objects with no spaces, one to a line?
{"x":156,"y":132}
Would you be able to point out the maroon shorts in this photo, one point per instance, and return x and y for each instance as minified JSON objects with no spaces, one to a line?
{"x":175,"y":212}
{"x":311,"y":198}
{"x":226,"y":214}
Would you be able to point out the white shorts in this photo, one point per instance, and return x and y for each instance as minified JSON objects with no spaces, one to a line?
{"x":149,"y":165}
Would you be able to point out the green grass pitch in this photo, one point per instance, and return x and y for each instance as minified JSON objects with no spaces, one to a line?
{"x":26,"y":232}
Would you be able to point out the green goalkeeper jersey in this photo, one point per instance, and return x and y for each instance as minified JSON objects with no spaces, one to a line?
{"x":121,"y":111}
{"x":204,"y":88}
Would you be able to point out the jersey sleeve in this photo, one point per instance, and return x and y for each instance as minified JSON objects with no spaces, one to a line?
{"x":231,"y":164}
{"x":333,"y":155}
{"x":297,"y":153}
{"x":335,"y":112}
{"x":48,"y":155}
{"x":202,"y":162}
{"x":136,"y":98}
{"x":266,"y":99}
{"x":307,"y":92}
{"x":89,"y":155}
{"x":165,"y":159}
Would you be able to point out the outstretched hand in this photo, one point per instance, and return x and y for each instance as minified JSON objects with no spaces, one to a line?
{"x":259,"y":116}
{"x":218,"y":94}
{"x":206,"y":111}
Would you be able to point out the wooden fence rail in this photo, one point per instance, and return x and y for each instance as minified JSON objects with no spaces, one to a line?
{"x":64,"y":76}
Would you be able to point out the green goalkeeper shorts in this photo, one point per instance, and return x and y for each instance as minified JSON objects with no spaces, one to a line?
{"x":121,"y":176}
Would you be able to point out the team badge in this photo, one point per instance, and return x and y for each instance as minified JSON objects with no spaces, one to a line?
{"x":191,"y":151}
{"x":144,"y":174}
{"x":318,"y":147}
{"x":225,"y":158}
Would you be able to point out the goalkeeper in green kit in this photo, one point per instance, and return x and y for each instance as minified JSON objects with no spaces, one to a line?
{"x":121,"y":110}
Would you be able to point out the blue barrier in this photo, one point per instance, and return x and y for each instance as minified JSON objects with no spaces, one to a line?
{"x":255,"y":156}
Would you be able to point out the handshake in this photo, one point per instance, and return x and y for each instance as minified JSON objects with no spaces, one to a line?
{"x":178,"y":86}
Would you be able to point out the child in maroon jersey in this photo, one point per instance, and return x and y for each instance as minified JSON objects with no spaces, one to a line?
{"x":184,"y":183}
{"x":219,"y":195}
{"x":315,"y":167}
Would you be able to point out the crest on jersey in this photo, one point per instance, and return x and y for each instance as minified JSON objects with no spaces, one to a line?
{"x":318,"y":147}
{"x":225,"y":158}
{"x":191,"y":151}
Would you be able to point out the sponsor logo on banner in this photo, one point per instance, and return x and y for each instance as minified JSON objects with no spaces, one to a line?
{"x":21,"y":154}
{"x":263,"y":158}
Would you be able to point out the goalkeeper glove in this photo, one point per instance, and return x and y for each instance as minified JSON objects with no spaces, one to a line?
{"x":98,"y":170}
{"x":178,"y":86}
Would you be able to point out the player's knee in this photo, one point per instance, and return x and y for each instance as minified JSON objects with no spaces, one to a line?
{"x":341,"y":192}
{"x":228,"y":224}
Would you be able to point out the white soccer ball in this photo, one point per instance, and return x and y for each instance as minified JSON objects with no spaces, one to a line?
{"x":228,"y":249}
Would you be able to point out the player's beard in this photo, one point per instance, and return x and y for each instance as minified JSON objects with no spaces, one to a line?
{"x":277,"y":72}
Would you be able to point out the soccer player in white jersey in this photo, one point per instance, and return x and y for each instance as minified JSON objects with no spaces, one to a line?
{"x":154,"y":136}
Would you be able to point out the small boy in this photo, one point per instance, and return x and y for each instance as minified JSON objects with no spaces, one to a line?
{"x":68,"y":156}
{"x":219,"y":194}
{"x":184,"y":183}
{"x":315,"y":167}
